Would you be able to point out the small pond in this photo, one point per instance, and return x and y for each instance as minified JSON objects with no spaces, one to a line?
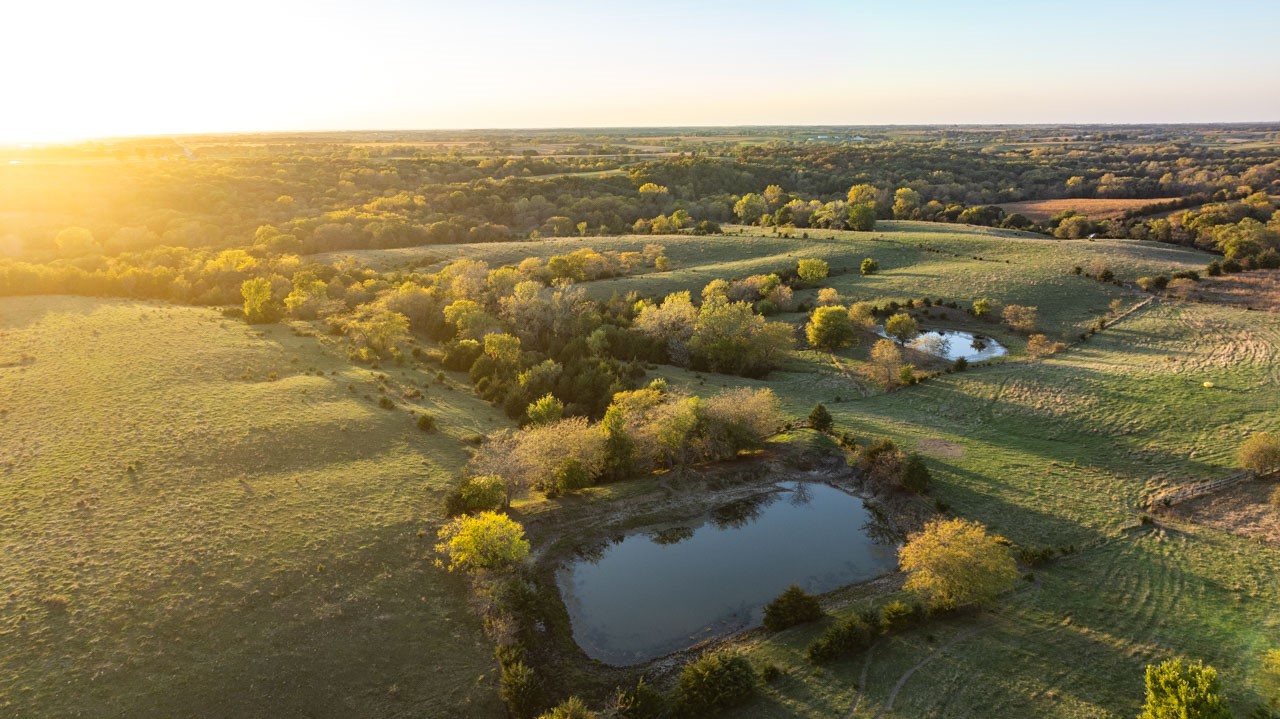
{"x":666,"y":588}
{"x":954,"y":344}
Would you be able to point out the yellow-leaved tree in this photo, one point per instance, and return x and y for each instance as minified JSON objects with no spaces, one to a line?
{"x":487,"y":540}
{"x":955,"y":562}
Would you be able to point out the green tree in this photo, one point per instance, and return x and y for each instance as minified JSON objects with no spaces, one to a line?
{"x":713,"y":683}
{"x":830,"y":328}
{"x":983,"y":307}
{"x":862,"y":218}
{"x":76,"y":242}
{"x":820,"y":418}
{"x":259,"y":307}
{"x":955,"y":562}
{"x":902,"y":327}
{"x":1261,"y":453}
{"x":915,"y":474}
{"x":487,"y":540}
{"x":1177,"y":690}
{"x":571,"y":708}
{"x":750,"y":208}
{"x":869,"y":267}
{"x":546,"y":410}
{"x":812,"y":269}
{"x":794,"y":606}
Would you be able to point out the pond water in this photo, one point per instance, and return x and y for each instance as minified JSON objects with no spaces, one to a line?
{"x":954,"y":344}
{"x":661,"y":590}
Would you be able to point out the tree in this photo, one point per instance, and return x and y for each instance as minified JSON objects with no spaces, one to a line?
{"x":915,"y":474}
{"x":955,"y":562}
{"x":906,"y":203}
{"x":1183,"y":691}
{"x":1039,"y":346}
{"x":546,"y":410}
{"x":1020,"y":318}
{"x":863,"y":195}
{"x":571,"y":708}
{"x":487,"y":540}
{"x":812,"y":269}
{"x":869,"y":267}
{"x":820,"y":418}
{"x":902,"y":327}
{"x":715,"y":682}
{"x":378,"y":329}
{"x":259,"y":307}
{"x":794,"y":606}
{"x":862,"y":218}
{"x":750,"y":208}
{"x":886,"y":360}
{"x":76,"y":242}
{"x":983,"y":307}
{"x":829,"y":328}
{"x":828,"y":296}
{"x":1261,"y":453}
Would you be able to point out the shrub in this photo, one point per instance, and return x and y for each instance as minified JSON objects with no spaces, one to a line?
{"x":519,"y":690}
{"x":386,"y":403}
{"x":1181,"y":691}
{"x":898,"y":615}
{"x":426,"y":422}
{"x":820,"y":419}
{"x":869,"y":267}
{"x":983,"y":307}
{"x":915,"y":475}
{"x":1153,"y":284}
{"x":1269,"y":677}
{"x":829,"y":328}
{"x":794,"y":606}
{"x":641,"y":702}
{"x":845,"y":637}
{"x":1214,"y":269}
{"x":902,"y":327}
{"x":961,"y":364}
{"x":1020,"y":318}
{"x":477,"y":494}
{"x":770,"y":672}
{"x":1040,"y":346}
{"x":713,"y":683}
{"x":907,"y":375}
{"x":571,"y":476}
{"x":571,"y":708}
{"x":487,"y":540}
{"x":1261,"y":453}
{"x":812,"y":269}
{"x":1275,"y":498}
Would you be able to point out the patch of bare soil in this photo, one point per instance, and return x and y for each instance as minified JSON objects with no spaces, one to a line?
{"x":1256,"y":289}
{"x":940,"y":448}
{"x":1243,"y":509}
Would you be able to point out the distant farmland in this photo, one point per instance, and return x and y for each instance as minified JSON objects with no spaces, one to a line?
{"x":1094,"y":209}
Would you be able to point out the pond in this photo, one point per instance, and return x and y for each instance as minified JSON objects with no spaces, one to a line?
{"x":954,"y":344}
{"x":671,"y":586}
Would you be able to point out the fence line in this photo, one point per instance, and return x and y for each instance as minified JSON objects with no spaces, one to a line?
{"x":1180,"y":495}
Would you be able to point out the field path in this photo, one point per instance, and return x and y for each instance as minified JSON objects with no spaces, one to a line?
{"x":906,"y":676}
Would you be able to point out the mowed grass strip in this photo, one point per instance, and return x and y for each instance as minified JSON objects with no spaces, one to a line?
{"x":201,"y":518}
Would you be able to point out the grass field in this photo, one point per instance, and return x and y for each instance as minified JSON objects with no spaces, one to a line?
{"x":205,"y":518}
{"x":184,"y":536}
{"x":1101,"y":208}
{"x":1063,"y":452}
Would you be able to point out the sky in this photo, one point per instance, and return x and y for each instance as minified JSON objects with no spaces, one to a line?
{"x":72,"y":69}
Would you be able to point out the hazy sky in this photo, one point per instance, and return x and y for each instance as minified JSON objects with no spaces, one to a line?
{"x":76,"y":68}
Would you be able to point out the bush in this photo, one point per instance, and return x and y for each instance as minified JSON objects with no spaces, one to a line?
{"x":898,"y":615}
{"x":915,"y":475}
{"x":1214,"y":269}
{"x":1261,"y":453}
{"x":845,"y":637}
{"x":794,"y":606}
{"x":1275,"y":498}
{"x":961,"y":364}
{"x":519,"y":690}
{"x":571,"y":708}
{"x":820,"y":419}
{"x":477,"y":494}
{"x":713,"y":683}
{"x":386,"y":403}
{"x":487,"y":540}
{"x":770,"y":672}
{"x":426,"y":422}
{"x":571,"y":476}
{"x":1180,"y":691}
{"x":642,"y":702}
{"x":869,"y":267}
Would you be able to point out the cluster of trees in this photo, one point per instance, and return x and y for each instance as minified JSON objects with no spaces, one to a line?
{"x":642,"y":430}
{"x":720,"y":334}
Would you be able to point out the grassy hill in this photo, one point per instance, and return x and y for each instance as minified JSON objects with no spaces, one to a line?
{"x":201,"y":518}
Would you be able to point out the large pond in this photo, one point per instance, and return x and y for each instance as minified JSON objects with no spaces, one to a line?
{"x":669,"y":587}
{"x":954,"y":344}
